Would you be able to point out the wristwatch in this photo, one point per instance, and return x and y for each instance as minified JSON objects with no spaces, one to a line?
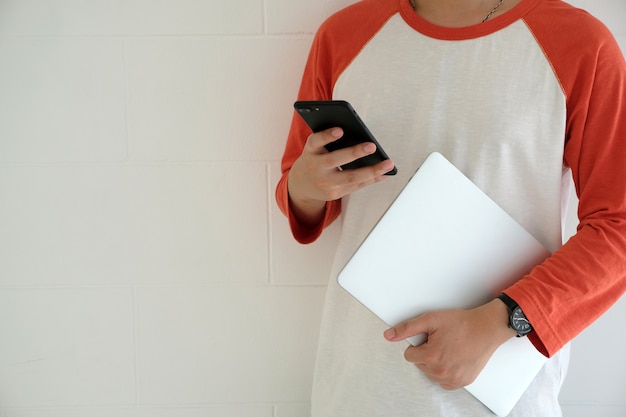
{"x":517,"y":319}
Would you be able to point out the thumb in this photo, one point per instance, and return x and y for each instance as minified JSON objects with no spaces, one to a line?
{"x":409,"y":328}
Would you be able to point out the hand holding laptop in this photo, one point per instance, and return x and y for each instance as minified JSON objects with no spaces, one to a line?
{"x":443,"y":359}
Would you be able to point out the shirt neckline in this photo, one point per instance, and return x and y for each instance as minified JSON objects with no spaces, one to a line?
{"x":467,"y":32}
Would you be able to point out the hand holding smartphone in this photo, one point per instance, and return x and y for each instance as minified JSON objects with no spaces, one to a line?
{"x":322,"y":115}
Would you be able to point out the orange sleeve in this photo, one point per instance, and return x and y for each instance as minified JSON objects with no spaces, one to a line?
{"x":587,"y":275}
{"x":355,"y":25}
{"x":312,"y":88}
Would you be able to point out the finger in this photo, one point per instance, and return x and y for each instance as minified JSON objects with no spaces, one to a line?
{"x":418,"y":325}
{"x":344,"y":156}
{"x":449,"y":387}
{"x":316,"y":142}
{"x":438,"y":368}
{"x":348,"y":181}
{"x":431,"y":364}
{"x":421,"y":356}
{"x":361,"y":177}
{"x":414,"y":355}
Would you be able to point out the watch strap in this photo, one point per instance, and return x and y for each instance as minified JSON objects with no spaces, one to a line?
{"x":512,"y":306}
{"x":510,"y":303}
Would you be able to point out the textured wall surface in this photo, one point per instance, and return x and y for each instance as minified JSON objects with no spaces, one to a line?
{"x":144,"y":268}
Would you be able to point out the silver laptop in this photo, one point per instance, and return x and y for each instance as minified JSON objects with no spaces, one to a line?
{"x":442,"y":244}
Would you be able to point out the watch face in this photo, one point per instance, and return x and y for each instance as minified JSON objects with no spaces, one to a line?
{"x":519,"y":322}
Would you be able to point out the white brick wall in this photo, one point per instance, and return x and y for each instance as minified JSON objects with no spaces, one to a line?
{"x":144,"y":268}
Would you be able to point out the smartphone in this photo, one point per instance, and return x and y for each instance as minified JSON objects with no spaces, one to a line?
{"x":322,"y":115}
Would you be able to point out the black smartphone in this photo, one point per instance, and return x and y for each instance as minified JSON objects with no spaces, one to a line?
{"x":322,"y":115}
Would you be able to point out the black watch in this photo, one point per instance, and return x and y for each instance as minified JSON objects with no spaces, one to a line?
{"x":517,"y":319}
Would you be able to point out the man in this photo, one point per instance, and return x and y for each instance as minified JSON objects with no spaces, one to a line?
{"x":521,"y":95}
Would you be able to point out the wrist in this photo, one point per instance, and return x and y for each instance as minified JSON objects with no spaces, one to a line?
{"x":308,"y":212}
{"x":499,"y":317}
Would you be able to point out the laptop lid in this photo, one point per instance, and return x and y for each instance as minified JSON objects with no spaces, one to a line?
{"x":443,"y":243}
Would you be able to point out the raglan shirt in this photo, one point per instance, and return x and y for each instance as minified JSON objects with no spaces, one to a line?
{"x":522,"y":104}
